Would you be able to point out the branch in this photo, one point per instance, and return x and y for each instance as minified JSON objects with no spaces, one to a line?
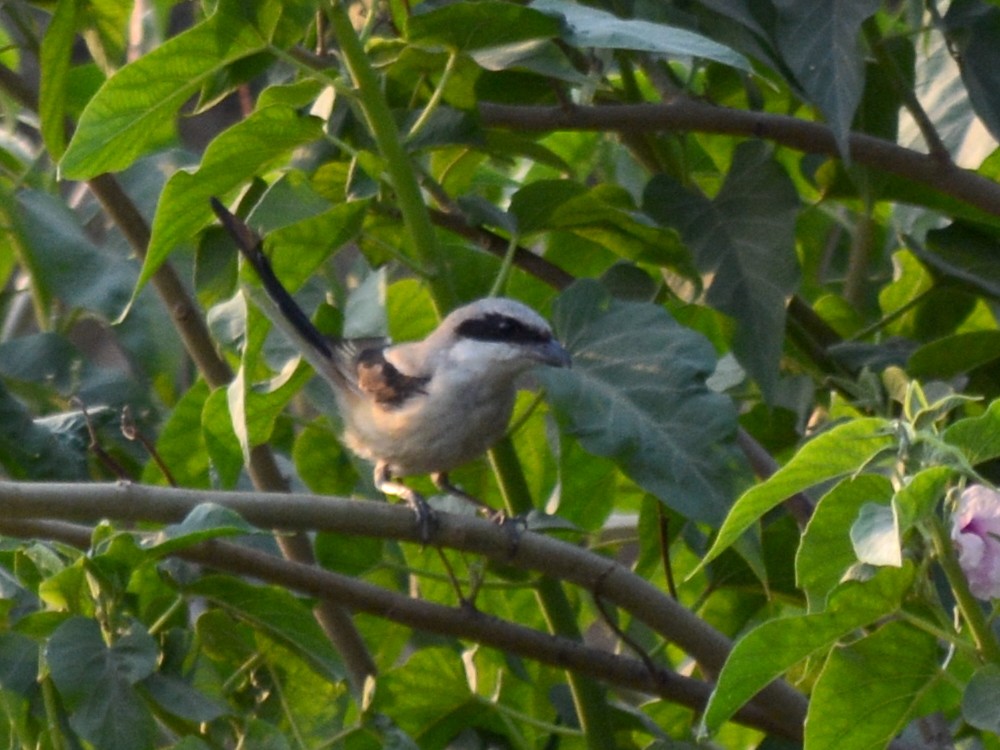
{"x":464,"y":622}
{"x":684,"y":114}
{"x":299,"y":512}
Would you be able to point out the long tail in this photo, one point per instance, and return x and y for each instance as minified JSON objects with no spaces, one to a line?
{"x":290,"y":317}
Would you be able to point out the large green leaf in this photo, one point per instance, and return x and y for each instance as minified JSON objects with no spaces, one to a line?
{"x":977,"y":437}
{"x":97,"y":683}
{"x":637,"y":394}
{"x":869,"y":690}
{"x":979,"y":702}
{"x":135,"y":110}
{"x":775,"y":646}
{"x":233,"y":158}
{"x":55,"y":59}
{"x":277,"y":613}
{"x":64,"y":263}
{"x":842,"y":450}
{"x":590,"y":27}
{"x":963,"y":254}
{"x":821,"y":44}
{"x":746,"y":238}
{"x":181,"y":445}
{"x":604,"y":214}
{"x":825,"y":552}
{"x":465,"y":26}
{"x":974,"y":29}
{"x":47,"y":449}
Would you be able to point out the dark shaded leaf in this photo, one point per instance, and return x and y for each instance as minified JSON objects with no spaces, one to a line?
{"x":821,"y":44}
{"x":746,"y":238}
{"x":637,"y":394}
{"x":590,"y":27}
{"x":979,"y":702}
{"x":973,"y":28}
{"x":97,"y":683}
{"x":205,"y":521}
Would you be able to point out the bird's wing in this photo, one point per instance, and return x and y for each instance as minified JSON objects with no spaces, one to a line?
{"x":383,"y":381}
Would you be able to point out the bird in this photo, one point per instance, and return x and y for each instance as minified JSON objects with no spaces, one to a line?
{"x":422,"y":407}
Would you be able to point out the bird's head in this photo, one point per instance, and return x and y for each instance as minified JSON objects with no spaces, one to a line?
{"x":501,"y":333}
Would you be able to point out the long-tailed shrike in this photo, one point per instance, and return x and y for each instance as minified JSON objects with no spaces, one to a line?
{"x":424,"y":407}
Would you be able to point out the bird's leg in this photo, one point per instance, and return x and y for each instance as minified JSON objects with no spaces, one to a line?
{"x":443,"y":483}
{"x":386,"y":484}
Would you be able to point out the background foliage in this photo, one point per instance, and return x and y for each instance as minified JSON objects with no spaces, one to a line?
{"x":767,"y":230}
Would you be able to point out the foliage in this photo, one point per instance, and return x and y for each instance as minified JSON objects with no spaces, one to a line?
{"x":768,"y":233}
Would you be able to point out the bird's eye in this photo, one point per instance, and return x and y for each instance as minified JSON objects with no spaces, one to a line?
{"x":501,"y":328}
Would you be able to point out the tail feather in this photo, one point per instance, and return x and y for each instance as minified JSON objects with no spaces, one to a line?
{"x":250,"y":246}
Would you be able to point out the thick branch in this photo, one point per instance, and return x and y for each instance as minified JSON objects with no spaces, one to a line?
{"x":462,"y":622}
{"x":689,"y":115}
{"x":616,"y":583}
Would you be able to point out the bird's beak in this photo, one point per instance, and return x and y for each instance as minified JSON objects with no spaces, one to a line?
{"x":554,"y":354}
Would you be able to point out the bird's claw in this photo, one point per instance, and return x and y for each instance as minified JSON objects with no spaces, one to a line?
{"x":426,"y":518}
{"x":514,"y":525}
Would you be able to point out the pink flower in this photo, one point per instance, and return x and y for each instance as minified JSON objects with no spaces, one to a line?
{"x":976,"y":531}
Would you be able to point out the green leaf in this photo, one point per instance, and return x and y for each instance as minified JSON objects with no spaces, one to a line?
{"x":825,"y":552}
{"x":979,"y":702}
{"x":590,"y":27}
{"x":434,"y":718}
{"x":916,"y":500}
{"x":770,"y":649}
{"x":205,"y":521}
{"x":39,"y":449}
{"x":97,"y":682}
{"x":973,"y":29}
{"x":65,"y":263}
{"x":875,"y":536}
{"x":135,"y":109}
{"x":637,"y":394}
{"x":868,"y":691}
{"x":977,"y":437}
{"x":18,"y":662}
{"x":841,"y":450}
{"x":234,"y":157}
{"x":322,"y":462}
{"x":603,"y":214}
{"x":350,"y":555}
{"x":300,"y":248}
{"x":283,"y":617}
{"x":954,"y":355}
{"x":820,"y":43}
{"x":181,"y":445}
{"x":177,"y":697}
{"x":465,"y":26}
{"x":224,"y":449}
{"x":964,"y":254}
{"x":745,"y":238}
{"x":55,"y":60}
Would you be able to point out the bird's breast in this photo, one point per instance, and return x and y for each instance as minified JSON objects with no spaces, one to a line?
{"x":447,"y":428}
